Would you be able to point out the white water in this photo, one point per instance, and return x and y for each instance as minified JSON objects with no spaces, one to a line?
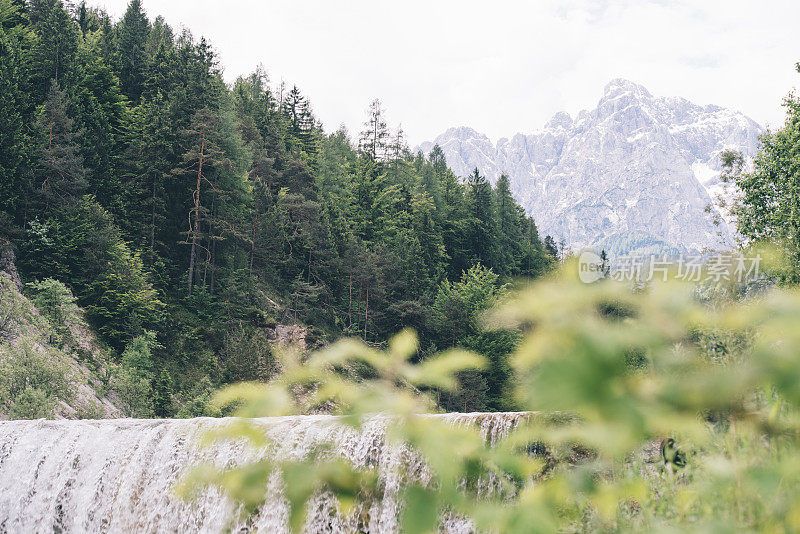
{"x":119,"y":475}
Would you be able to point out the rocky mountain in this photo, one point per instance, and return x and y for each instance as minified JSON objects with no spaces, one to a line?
{"x":637,"y":172}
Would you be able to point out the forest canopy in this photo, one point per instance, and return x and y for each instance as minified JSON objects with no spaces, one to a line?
{"x":206,"y":213}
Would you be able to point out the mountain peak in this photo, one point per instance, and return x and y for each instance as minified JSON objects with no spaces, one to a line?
{"x":462,"y":132}
{"x":620,"y":86}
{"x":561,"y":119}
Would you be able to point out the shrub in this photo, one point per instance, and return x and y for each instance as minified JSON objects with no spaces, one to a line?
{"x":134,"y":391}
{"x":247,"y":355}
{"x":32,"y":403}
{"x":55,"y":301}
{"x":132,"y":379}
{"x":30,"y":373}
{"x":200,"y":402}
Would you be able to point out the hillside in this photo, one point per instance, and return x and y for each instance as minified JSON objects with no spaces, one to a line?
{"x":196,"y":221}
{"x":48,"y":370}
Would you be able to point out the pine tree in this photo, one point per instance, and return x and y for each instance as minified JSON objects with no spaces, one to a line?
{"x":14,"y":145}
{"x":536,"y":260}
{"x":132,"y":35}
{"x":103,"y":120}
{"x":55,"y":49}
{"x":374,"y":138}
{"x":510,"y":220}
{"x":551,"y":247}
{"x":482,"y":232}
{"x":61,"y":174}
{"x":301,"y":125}
{"x":202,"y":160}
{"x":149,"y":162}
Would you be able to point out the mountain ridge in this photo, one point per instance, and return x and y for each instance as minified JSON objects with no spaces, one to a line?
{"x":635,"y":163}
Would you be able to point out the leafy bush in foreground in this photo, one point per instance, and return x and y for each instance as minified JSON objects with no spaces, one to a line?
{"x":618,"y":372}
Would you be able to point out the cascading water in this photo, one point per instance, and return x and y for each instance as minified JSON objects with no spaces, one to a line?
{"x":119,"y":475}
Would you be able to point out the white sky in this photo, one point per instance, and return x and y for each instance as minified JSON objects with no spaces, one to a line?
{"x":499,"y":66}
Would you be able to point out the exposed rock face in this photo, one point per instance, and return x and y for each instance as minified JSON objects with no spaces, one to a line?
{"x":291,"y":334}
{"x":8,"y":267}
{"x":635,"y":164}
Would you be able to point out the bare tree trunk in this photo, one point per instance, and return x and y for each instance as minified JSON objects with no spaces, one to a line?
{"x":253,"y":240}
{"x":309,"y":265}
{"x":360,"y":284}
{"x":196,"y":211}
{"x":153,"y":224}
{"x":366,"y":310}
{"x":350,"y":302}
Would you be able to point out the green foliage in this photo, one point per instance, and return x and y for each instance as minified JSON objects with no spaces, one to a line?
{"x":134,"y":391}
{"x":200,"y":401}
{"x":80,"y":244}
{"x":247,"y":356}
{"x":32,"y":403}
{"x":139,"y":354}
{"x":55,"y":301}
{"x":133,"y":379}
{"x":90,"y":410}
{"x":14,"y":144}
{"x":456,"y":315}
{"x":457,"y":305}
{"x":728,"y":426}
{"x":60,"y":175}
{"x":170,"y":201}
{"x":769,"y":194}
{"x":32,"y":379}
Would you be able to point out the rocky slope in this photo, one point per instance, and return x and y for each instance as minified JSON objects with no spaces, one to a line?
{"x":41,"y":375}
{"x":637,"y":170}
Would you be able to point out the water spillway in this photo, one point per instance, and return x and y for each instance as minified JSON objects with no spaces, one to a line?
{"x":119,"y":475}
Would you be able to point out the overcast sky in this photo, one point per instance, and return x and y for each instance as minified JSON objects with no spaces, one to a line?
{"x":498,"y":66}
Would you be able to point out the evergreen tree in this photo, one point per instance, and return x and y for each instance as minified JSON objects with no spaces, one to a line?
{"x":375,"y":137}
{"x":132,"y":34}
{"x":482,"y":230}
{"x":103,"y":120}
{"x":551,"y":248}
{"x":54,"y":50}
{"x":510,"y":225}
{"x":61,"y":176}
{"x":14,"y":145}
{"x":149,"y":163}
{"x":202,"y":162}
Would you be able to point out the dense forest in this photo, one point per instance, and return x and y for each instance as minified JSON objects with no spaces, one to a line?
{"x":191,"y":217}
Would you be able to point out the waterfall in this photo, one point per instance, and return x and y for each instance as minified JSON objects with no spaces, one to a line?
{"x":119,"y":475}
